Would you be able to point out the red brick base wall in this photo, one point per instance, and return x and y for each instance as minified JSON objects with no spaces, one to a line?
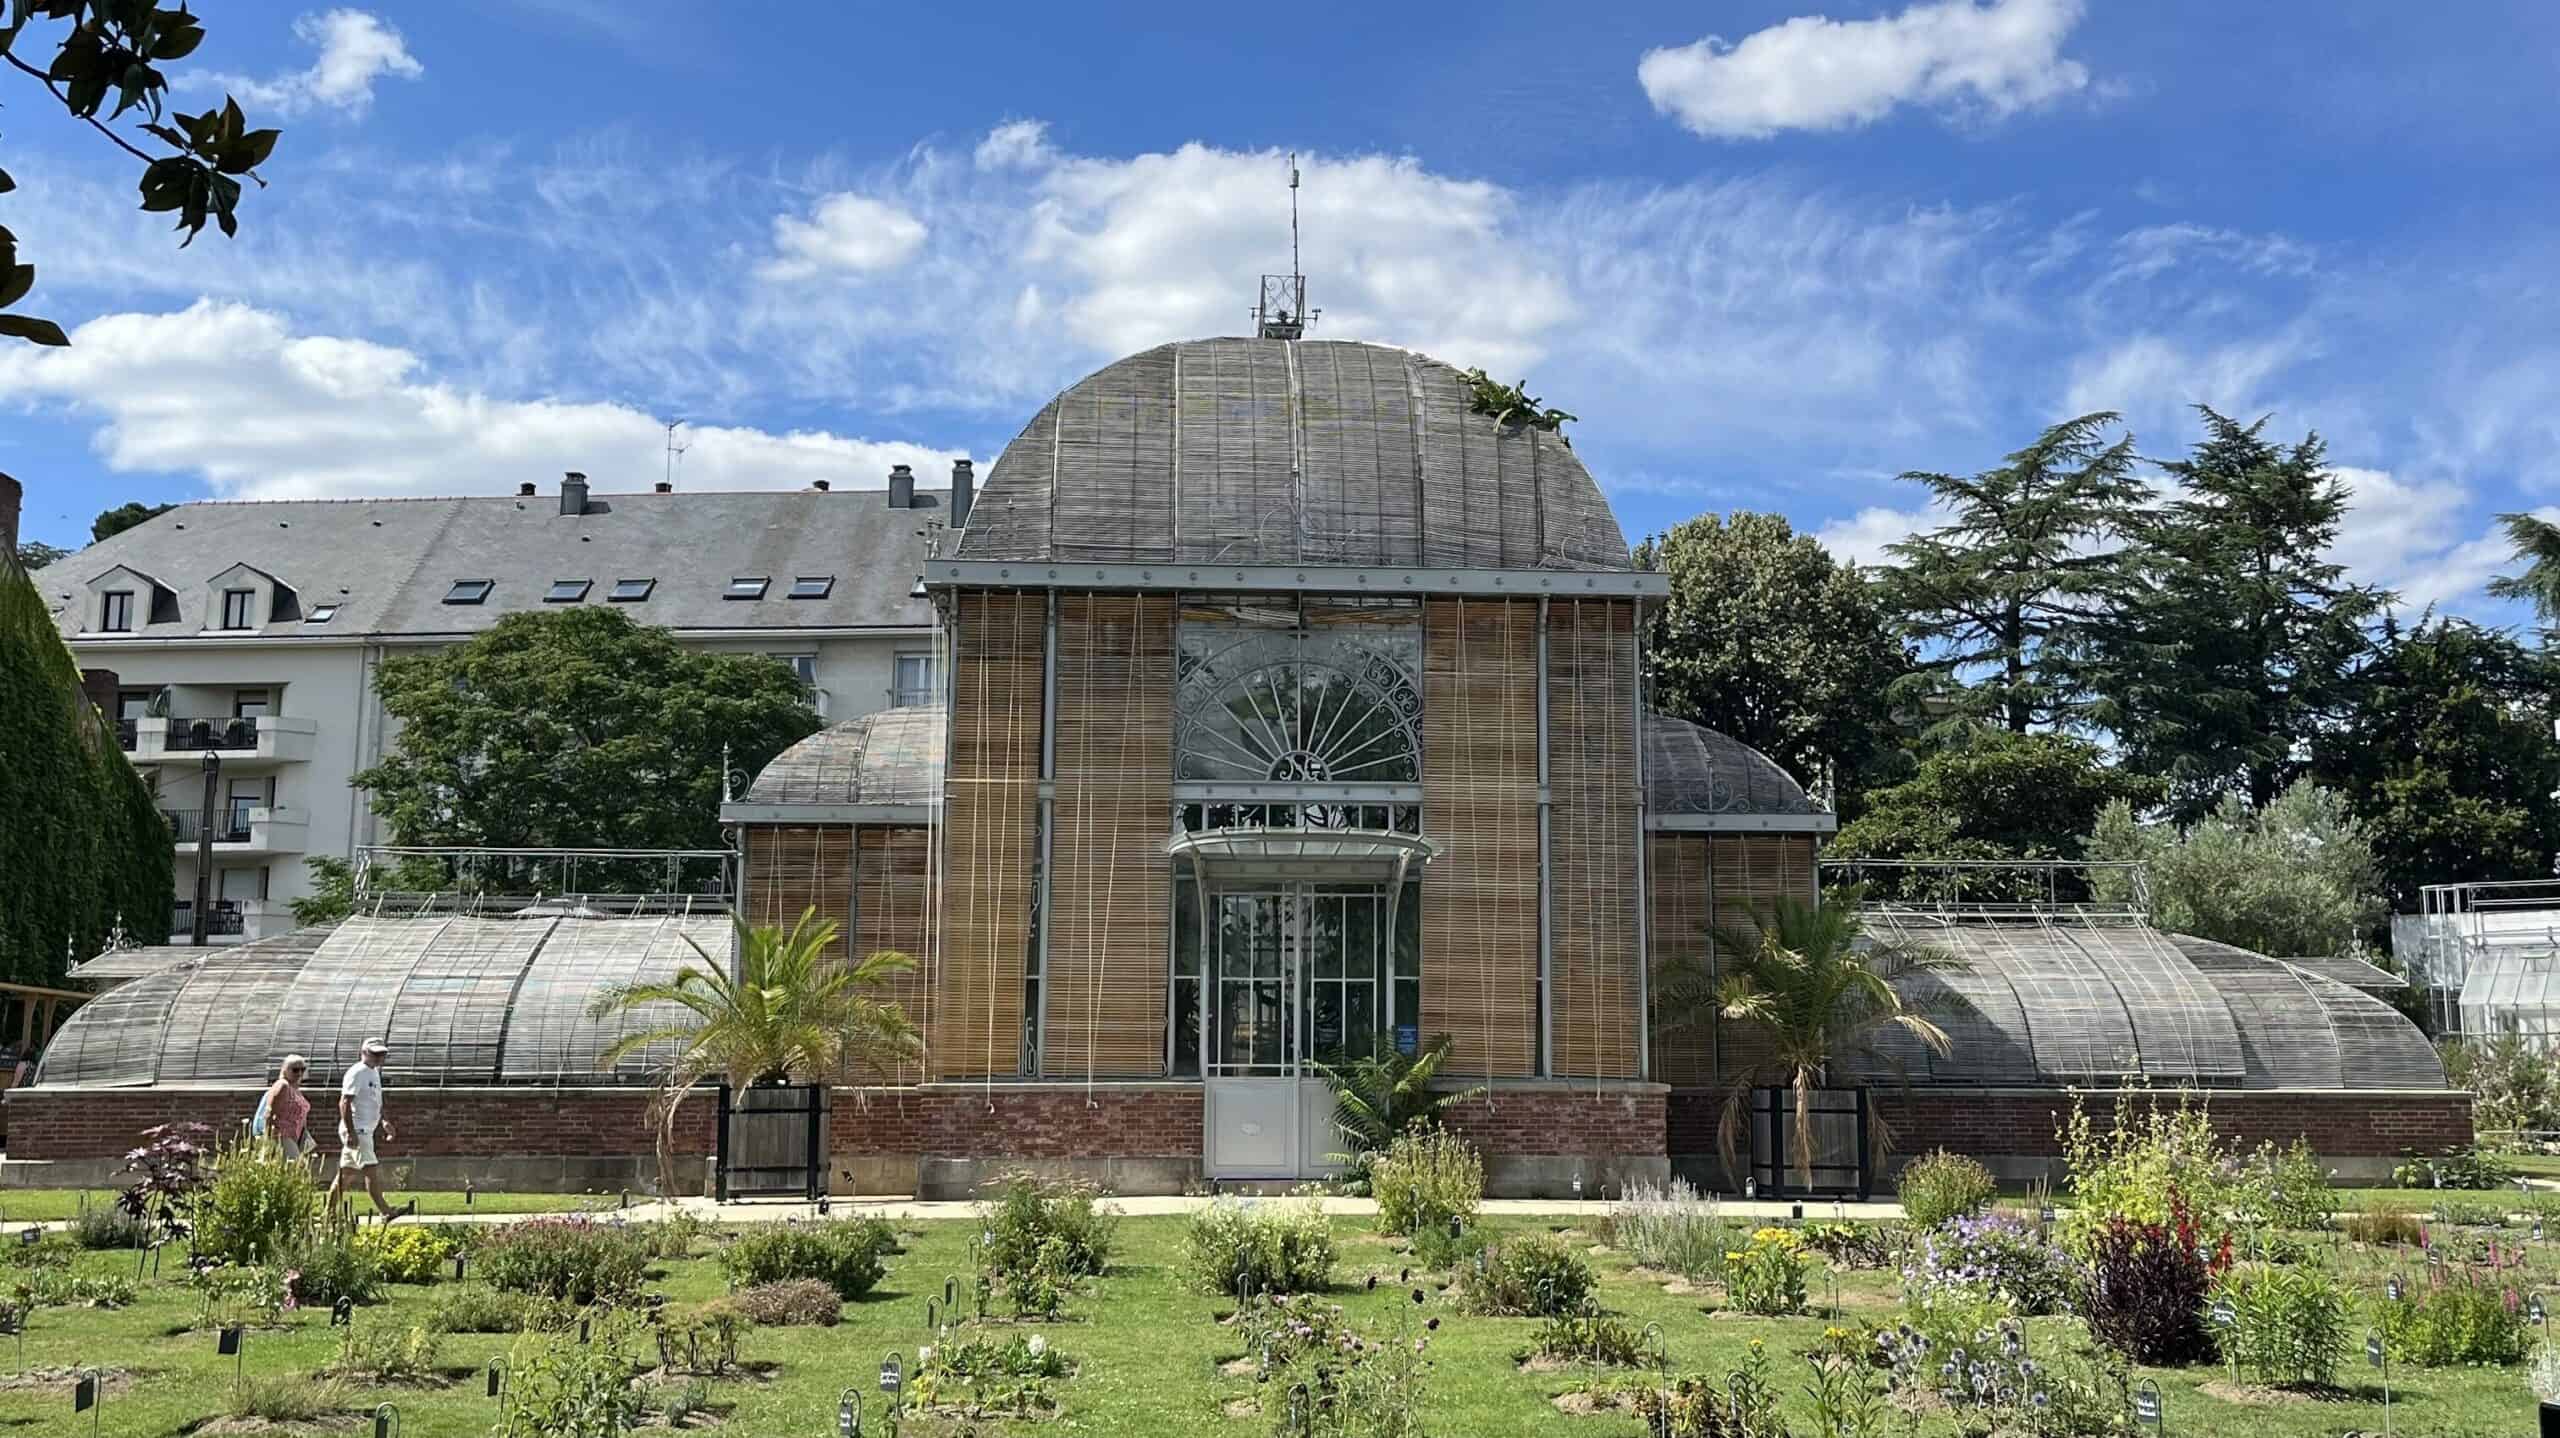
{"x":1020,"y":1122}
{"x":1563,"y":1121}
{"x":429,"y":1123}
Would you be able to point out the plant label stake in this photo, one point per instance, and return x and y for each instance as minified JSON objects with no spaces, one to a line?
{"x":386,"y":1421}
{"x":497,"y":1375}
{"x":457,"y":1267}
{"x":84,"y":1399}
{"x":583,"y":1322}
{"x":2391,"y":1288}
{"x":342,"y":1314}
{"x":470,"y":1194}
{"x":2376,"y":1355}
{"x":2147,"y":1409}
{"x":892,"y":1383}
{"x":31,"y":1236}
{"x":849,"y":1413}
{"x":2535,"y":1313}
{"x":2045,"y":1215}
{"x":2226,"y":1317}
{"x":1796,"y":1211}
{"x":1654,"y":1344}
{"x":950,"y":1292}
{"x":1301,"y":1419}
{"x":227,"y":1344}
{"x":932,"y":1318}
{"x":1750,"y":1188}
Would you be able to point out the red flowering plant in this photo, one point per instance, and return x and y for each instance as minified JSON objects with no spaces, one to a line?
{"x":2147,"y":1286}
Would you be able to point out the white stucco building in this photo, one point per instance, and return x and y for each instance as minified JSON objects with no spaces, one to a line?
{"x":251,"y":631}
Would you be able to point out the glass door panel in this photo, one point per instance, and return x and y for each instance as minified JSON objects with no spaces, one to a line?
{"x":1250,"y":1033}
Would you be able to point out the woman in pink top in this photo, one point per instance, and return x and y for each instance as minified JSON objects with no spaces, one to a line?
{"x":287,"y":1110}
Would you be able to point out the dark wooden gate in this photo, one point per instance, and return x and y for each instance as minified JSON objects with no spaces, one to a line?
{"x":1840,"y":1148}
{"x":773,"y":1142}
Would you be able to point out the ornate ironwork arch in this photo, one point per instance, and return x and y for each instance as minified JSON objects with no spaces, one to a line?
{"x":1266,"y":706}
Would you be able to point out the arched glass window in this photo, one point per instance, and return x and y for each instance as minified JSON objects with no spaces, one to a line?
{"x":1262,"y":697}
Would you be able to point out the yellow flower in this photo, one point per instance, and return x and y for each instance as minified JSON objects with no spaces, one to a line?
{"x":1732,"y":1255}
{"x":1756,"y":1345}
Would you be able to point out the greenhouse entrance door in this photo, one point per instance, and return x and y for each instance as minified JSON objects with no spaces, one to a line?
{"x":1294,"y":973}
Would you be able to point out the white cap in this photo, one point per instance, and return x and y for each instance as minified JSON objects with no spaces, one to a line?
{"x":376,"y":1046}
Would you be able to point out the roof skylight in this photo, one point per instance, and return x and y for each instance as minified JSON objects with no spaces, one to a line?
{"x":631,"y":591}
{"x":746,"y":586}
{"x":812,"y":586}
{"x":566,"y":591}
{"x":469,"y":591}
{"x":321,"y":614}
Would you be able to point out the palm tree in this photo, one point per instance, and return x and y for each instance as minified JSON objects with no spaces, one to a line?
{"x":1384,"y":1092}
{"x":2536,"y":542}
{"x":1816,"y":983}
{"x":787,"y":1014}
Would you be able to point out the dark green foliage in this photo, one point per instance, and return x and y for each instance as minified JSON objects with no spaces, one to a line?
{"x":845,"y":1254}
{"x":2237,"y":645}
{"x":84,"y":847}
{"x":2448,"y":758}
{"x":2458,"y":1167}
{"x":1386,"y":1092}
{"x":576,"y":1260}
{"x":1996,"y":597}
{"x":116,"y":51}
{"x":1990,"y":794}
{"x":1531,"y":1276}
{"x":2458,"y":1317}
{"x":113,"y":522}
{"x":1029,"y":1211}
{"x":1939,"y":1186}
{"x":35,"y":554}
{"x":2294,"y":878}
{"x":1768,"y":639}
{"x":1512,"y":403}
{"x":577,"y":728}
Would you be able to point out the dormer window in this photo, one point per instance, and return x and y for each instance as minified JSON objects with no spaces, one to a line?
{"x":566,"y":591}
{"x":469,"y":591}
{"x":746,"y":586}
{"x":321,"y":614}
{"x":236,"y":604}
{"x":631,"y":591}
{"x":812,"y":586}
{"x":115,"y":611}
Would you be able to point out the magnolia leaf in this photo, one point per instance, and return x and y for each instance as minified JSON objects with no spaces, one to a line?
{"x":28,"y":327}
{"x":15,"y":281}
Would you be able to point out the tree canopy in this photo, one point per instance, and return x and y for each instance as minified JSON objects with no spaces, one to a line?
{"x":113,"y":522}
{"x":576,"y":728}
{"x":118,"y":50}
{"x":1769,"y":639}
{"x":2294,"y":878}
{"x":1993,"y":794}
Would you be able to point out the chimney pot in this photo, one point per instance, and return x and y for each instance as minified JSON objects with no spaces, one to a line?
{"x":663,"y":487}
{"x":525,"y":490}
{"x":902,"y":487}
{"x":11,"y":497}
{"x":964,"y":490}
{"x":573,"y":493}
{"x":819,"y":485}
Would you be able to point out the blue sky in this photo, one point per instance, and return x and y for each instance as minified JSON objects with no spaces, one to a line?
{"x":1771,"y":259}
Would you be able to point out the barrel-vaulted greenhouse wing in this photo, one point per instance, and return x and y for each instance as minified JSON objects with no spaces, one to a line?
{"x":463,"y":999}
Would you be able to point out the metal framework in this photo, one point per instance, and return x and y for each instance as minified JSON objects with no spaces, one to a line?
{"x":1291,"y":705}
{"x":2488,"y":957}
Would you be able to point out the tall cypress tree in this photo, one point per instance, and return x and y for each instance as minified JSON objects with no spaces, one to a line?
{"x":2237,"y":641}
{"x":1998,"y":597}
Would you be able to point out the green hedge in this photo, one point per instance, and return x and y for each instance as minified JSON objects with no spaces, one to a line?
{"x":84,"y":844}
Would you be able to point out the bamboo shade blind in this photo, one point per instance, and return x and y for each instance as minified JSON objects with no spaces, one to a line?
{"x":1750,"y":873}
{"x":1480,"y":801}
{"x":1676,"y":888}
{"x":988,"y":824}
{"x":792,"y":868}
{"x":891,"y":864}
{"x":1110,"y":894}
{"x":1596,"y":990}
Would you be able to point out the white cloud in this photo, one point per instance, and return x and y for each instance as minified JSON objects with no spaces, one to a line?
{"x":232,"y":394}
{"x":356,"y":49}
{"x":845,"y":234}
{"x":2153,"y":380}
{"x":1816,"y":73}
{"x":1862,"y":537}
{"x":1015,"y":145}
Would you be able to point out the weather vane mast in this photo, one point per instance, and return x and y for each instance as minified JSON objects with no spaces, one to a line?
{"x":1281,"y":313}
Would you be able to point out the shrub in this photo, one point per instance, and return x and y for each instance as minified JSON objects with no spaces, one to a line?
{"x":229,"y":1295}
{"x":2284,"y":1189}
{"x":707,"y":1334}
{"x":1235,"y":1248}
{"x":575,"y":1259}
{"x":1041,"y":1287}
{"x":1277,"y":1327}
{"x":1595,"y":1338}
{"x":2154,"y":1165}
{"x":1374,"y":1383}
{"x":673,"y":1237}
{"x":1028,"y":1211}
{"x":1673,"y":1230}
{"x":2471,"y":1212}
{"x":282,"y":1399}
{"x":790,"y":1303}
{"x":1936,"y":1187}
{"x":61,"y":1288}
{"x":1442,"y":1251}
{"x":2146,"y":1291}
{"x":1968,"y":1356}
{"x":387,"y":1353}
{"x":1992,"y":1257}
{"x":845,"y":1254}
{"x":1746,"y":1407}
{"x":558,"y":1387}
{"x":2382,"y":1223}
{"x":478,"y":1308}
{"x":1852,"y":1245}
{"x":334,"y":1264}
{"x":1766,"y":1274}
{"x":2457,"y":1320}
{"x":407,"y":1253}
{"x":107,"y":1225}
{"x":1425,"y":1178}
{"x":2288,"y":1325}
{"x":1530,"y":1276}
{"x":2457,"y":1167}
{"x":255,"y":1205}
{"x":1010,"y":1375}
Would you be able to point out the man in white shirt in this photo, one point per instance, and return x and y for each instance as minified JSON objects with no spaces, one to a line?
{"x":359,"y":1120}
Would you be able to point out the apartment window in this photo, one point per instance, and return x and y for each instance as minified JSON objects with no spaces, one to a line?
{"x":631,"y":591}
{"x":803,"y":667}
{"x":251,"y":704}
{"x":813,"y":586}
{"x":566,"y":591}
{"x":912,"y":683}
{"x":469,"y":591}
{"x":321,"y":614}
{"x":115,"y":613}
{"x":235,"y":607}
{"x":133,"y":703}
{"x":746,"y":586}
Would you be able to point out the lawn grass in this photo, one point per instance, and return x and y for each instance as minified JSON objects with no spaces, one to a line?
{"x":50,"y":1205}
{"x":1149,"y":1347}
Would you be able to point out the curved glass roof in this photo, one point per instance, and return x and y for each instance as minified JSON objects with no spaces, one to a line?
{"x":461,"y":998}
{"x":2037,"y":1002}
{"x":891,"y":757}
{"x":1693,"y":770}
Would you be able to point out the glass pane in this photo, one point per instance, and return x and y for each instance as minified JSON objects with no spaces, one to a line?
{"x":1360,"y":1018}
{"x":1408,"y":1013}
{"x":1324,"y":1020}
{"x":1186,"y":932}
{"x":1325,"y":935}
{"x":1409,"y":933}
{"x":1360,"y":938}
{"x":1186,"y":1027}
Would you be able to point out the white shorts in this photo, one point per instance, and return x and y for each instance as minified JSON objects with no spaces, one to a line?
{"x":356,"y":1152}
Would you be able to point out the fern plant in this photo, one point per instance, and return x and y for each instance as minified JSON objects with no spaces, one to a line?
{"x":1383,"y":1093}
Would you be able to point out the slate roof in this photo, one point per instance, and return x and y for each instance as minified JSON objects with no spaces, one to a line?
{"x":389,"y":562}
{"x":1258,"y":451}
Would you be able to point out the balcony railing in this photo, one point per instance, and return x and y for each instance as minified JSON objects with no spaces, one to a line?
{"x":223,"y":918}
{"x":199,"y":734}
{"x":228,"y":828}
